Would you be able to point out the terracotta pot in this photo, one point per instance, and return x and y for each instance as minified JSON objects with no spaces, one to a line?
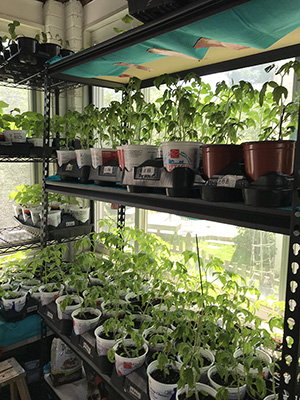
{"x":263,"y":157}
{"x":217,"y":156}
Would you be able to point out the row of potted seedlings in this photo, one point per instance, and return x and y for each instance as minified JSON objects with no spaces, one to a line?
{"x":145,"y":307}
{"x":191,"y":125}
{"x":28,"y":207}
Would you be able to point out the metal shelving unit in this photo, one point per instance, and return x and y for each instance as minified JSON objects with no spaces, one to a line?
{"x":269,"y":219}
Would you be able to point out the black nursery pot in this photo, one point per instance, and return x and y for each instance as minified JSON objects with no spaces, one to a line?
{"x":13,"y":49}
{"x":51,"y":49}
{"x":28,"y":47}
{"x":66,"y":52}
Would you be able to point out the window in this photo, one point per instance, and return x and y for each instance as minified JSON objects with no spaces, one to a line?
{"x":260,"y":257}
{"x":12,"y":174}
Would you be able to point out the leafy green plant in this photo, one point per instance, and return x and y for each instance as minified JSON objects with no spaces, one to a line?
{"x":27,"y":194}
{"x":137,"y":115}
{"x":280,"y":117}
{"x":12,"y":35}
{"x":180,"y":106}
{"x":33,"y":123}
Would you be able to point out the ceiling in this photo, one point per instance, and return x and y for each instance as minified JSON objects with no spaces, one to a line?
{"x":83,"y":2}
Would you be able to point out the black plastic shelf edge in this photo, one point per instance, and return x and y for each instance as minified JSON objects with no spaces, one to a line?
{"x":273,"y":220}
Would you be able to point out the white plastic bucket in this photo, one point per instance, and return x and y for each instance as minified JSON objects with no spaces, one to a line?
{"x":125,"y":365}
{"x":81,"y":214}
{"x":15,"y":304}
{"x":260,"y":354}
{"x":83,"y":325}
{"x":109,"y":308}
{"x":54,"y":218}
{"x":48,"y":297}
{"x":158,"y":390}
{"x":101,"y":156}
{"x":17,"y":136}
{"x":64,"y":156}
{"x":200,"y":387}
{"x":234,"y":393}
{"x":25,"y":213}
{"x":37,"y":142}
{"x":83,"y":157}
{"x":17,"y":210}
{"x":35,"y":214}
{"x":135,"y":155}
{"x":181,"y":154}
{"x":156,"y":331}
{"x":103,"y":345}
{"x":30,"y":285}
{"x":66,"y":313}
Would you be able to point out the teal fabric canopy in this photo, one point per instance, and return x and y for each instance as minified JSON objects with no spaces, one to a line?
{"x":257,"y":24}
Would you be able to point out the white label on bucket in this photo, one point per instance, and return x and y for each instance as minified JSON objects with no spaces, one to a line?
{"x":148,"y":171}
{"x":228,"y":180}
{"x":108,"y":170}
{"x":69,"y":167}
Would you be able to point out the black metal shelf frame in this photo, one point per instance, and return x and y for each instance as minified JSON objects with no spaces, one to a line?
{"x":277,"y":220}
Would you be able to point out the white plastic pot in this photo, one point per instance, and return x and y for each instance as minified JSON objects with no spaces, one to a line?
{"x":37,"y":142}
{"x":158,"y":390}
{"x":35,"y":214}
{"x":83,"y":325}
{"x":17,"y":136}
{"x":134,"y":155}
{"x":25,"y":213}
{"x":181,"y":154}
{"x":15,"y":304}
{"x":81,"y":214}
{"x":260,"y":354}
{"x":234,"y":393}
{"x":64,"y":156}
{"x":17,"y":210}
{"x":30,"y":284}
{"x":160,"y":331}
{"x":83,"y":157}
{"x":125,"y":365}
{"x":103,"y":345}
{"x":66,"y":313}
{"x":54,"y":218}
{"x":109,"y":308}
{"x":48,"y":297}
{"x":101,"y":156}
{"x":209,"y":356}
{"x":200,"y":387}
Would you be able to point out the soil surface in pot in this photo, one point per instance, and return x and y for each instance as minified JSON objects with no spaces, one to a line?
{"x":129,"y":351}
{"x":108,"y":336}
{"x":230,"y":382}
{"x":169,"y":378}
{"x":86,"y":315}
{"x":202,"y":395}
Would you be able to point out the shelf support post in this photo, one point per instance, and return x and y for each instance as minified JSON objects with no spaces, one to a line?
{"x":47,"y":92}
{"x":290,"y":364}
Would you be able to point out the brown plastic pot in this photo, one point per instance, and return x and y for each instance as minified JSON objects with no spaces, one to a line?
{"x":264,"y":157}
{"x":217,"y":156}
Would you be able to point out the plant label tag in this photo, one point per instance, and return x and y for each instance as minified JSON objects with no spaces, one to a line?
{"x":69,"y":167}
{"x":70,"y":223}
{"x":108,"y":170}
{"x":86,"y":347}
{"x":228,"y":180}
{"x":49,"y":315}
{"x":134,"y":392}
{"x":32,"y":308}
{"x":148,"y":171}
